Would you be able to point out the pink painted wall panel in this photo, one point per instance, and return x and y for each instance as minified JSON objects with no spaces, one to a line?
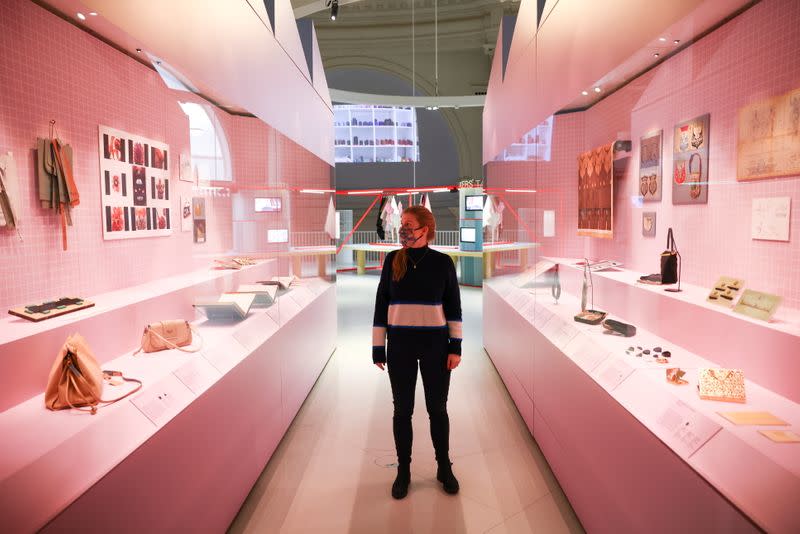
{"x":93,"y":84}
{"x":708,"y":77}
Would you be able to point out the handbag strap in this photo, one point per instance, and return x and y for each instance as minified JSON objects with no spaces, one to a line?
{"x":93,"y":408}
{"x":671,"y":242}
{"x":691,"y":159}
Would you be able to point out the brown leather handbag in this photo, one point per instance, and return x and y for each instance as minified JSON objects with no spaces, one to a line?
{"x":166,"y":335}
{"x":76,"y":380}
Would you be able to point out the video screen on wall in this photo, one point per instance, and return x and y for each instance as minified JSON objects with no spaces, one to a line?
{"x":473,"y":202}
{"x":267,"y":204}
{"x":468,"y":235}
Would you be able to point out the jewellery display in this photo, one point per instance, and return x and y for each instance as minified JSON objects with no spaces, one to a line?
{"x":721,"y":385}
{"x":658,"y":354}
{"x":48,"y":310}
{"x":758,"y":305}
{"x":725,"y":291}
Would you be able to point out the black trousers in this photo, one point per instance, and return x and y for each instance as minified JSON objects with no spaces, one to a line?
{"x":402,"y":361}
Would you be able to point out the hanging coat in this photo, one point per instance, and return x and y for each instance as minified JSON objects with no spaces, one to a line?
{"x":330,"y":220}
{"x":379,"y":221}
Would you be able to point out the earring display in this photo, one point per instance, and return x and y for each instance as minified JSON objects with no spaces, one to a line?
{"x":650,"y":167}
{"x":758,"y":305}
{"x":690,"y":161}
{"x":658,"y":354}
{"x":725,"y":291}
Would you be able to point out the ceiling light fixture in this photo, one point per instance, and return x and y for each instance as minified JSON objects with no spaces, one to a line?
{"x":597,"y":89}
{"x":656,"y":55}
{"x":81,"y":16}
{"x":585,"y":93}
{"x":520,"y":190}
{"x":139,"y":50}
{"x":368,"y":192}
{"x":334,"y":8}
{"x":93,"y":14}
{"x":676,"y":41}
{"x":662,"y":39}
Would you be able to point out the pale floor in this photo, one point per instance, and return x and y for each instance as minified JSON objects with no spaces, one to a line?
{"x":334,"y":468}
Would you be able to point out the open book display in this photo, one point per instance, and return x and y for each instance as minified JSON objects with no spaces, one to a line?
{"x":229,"y":306}
{"x":284,"y":281}
{"x":265,"y":295}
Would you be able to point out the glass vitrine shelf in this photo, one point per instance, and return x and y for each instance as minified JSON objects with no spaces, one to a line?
{"x":368,"y":134}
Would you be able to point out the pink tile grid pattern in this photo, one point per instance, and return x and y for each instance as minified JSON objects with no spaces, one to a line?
{"x":751,"y":58}
{"x":92,"y":84}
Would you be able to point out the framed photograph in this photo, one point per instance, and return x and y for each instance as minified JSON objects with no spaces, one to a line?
{"x":769,"y":138}
{"x":650,"y":166}
{"x":200,"y":231}
{"x":649,"y":223}
{"x":134,"y":195}
{"x":690,"y":161}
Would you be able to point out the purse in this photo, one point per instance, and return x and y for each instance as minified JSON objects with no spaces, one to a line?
{"x":165,"y":335}
{"x":721,"y":385}
{"x":669,"y":261}
{"x":76,"y":381}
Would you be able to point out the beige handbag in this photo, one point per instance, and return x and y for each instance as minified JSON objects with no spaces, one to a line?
{"x":721,"y":385}
{"x":167,"y":335}
{"x":76,"y":380}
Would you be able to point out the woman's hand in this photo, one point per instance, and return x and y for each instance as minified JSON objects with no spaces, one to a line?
{"x":452,"y":361}
{"x":380,"y":365}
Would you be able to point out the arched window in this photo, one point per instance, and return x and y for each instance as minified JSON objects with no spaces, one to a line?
{"x":211,"y":160}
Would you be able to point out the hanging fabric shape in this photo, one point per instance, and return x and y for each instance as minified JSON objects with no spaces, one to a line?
{"x":387,"y":215}
{"x":9,"y":192}
{"x":426,"y":201}
{"x":488,"y":211}
{"x":379,"y":221}
{"x":397,"y":216}
{"x":57,"y":188}
{"x":500,"y":208}
{"x":394,"y":218}
{"x":330,"y":220}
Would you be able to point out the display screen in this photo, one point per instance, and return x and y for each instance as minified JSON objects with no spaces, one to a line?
{"x":278,"y":236}
{"x":267,"y":204}
{"x":474,"y":202}
{"x":468,"y":235}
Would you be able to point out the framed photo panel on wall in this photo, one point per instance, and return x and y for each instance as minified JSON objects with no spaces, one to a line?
{"x":199,"y":219}
{"x":650,"y":166}
{"x":134,"y":186}
{"x":769,"y":138}
{"x":690,"y":161}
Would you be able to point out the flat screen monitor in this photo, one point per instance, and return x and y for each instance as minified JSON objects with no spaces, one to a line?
{"x":278,"y":236}
{"x":267,"y":204}
{"x":468,"y":235}
{"x":474,"y":202}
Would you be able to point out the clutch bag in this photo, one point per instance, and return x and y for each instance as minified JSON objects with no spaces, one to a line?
{"x":721,"y":385}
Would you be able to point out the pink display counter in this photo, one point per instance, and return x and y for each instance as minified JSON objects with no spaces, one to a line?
{"x":183,"y":453}
{"x":632,"y":451}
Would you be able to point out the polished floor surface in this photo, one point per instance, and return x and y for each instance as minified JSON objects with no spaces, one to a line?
{"x":334,"y":468}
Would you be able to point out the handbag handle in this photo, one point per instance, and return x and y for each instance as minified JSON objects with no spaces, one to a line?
{"x":93,"y":408}
{"x":691,"y":159}
{"x":671,"y":246}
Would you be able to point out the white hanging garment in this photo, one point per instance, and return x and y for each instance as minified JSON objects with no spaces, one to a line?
{"x":395,"y":218}
{"x":330,"y":220}
{"x":387,"y":217}
{"x":426,"y":201}
{"x":488,"y":211}
{"x":9,"y":191}
{"x":500,"y":209}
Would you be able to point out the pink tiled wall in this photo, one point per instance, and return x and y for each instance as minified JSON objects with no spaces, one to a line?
{"x":751,"y":58}
{"x":88,"y":83}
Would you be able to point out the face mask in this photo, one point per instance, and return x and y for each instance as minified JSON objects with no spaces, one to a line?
{"x":407,"y":235}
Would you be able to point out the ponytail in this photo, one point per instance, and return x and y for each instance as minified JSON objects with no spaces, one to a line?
{"x":399,"y":264}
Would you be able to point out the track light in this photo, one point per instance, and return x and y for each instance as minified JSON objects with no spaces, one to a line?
{"x":334,"y":8}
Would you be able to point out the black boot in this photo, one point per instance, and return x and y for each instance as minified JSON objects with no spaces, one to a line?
{"x":400,"y":486}
{"x":445,"y":475}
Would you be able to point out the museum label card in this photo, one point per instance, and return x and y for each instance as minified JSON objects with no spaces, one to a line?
{"x":254,"y":332}
{"x":612,"y":373}
{"x":753,"y":418}
{"x":162,"y":401}
{"x":197,"y":375}
{"x":684,"y":429}
{"x":225,"y":356}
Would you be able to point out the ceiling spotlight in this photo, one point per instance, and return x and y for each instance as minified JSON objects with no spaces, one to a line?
{"x":93,"y":14}
{"x":334,"y":8}
{"x":81,"y":16}
{"x":662,"y":39}
{"x":139,"y":50}
{"x":585,"y":93}
{"x":656,"y":55}
{"x":676,"y":41}
{"x":434,"y":108}
{"x":596,"y":89}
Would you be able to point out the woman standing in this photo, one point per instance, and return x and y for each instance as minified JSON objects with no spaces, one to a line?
{"x":418,"y":309}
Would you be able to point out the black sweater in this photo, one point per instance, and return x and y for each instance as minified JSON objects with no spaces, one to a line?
{"x":423,"y":305}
